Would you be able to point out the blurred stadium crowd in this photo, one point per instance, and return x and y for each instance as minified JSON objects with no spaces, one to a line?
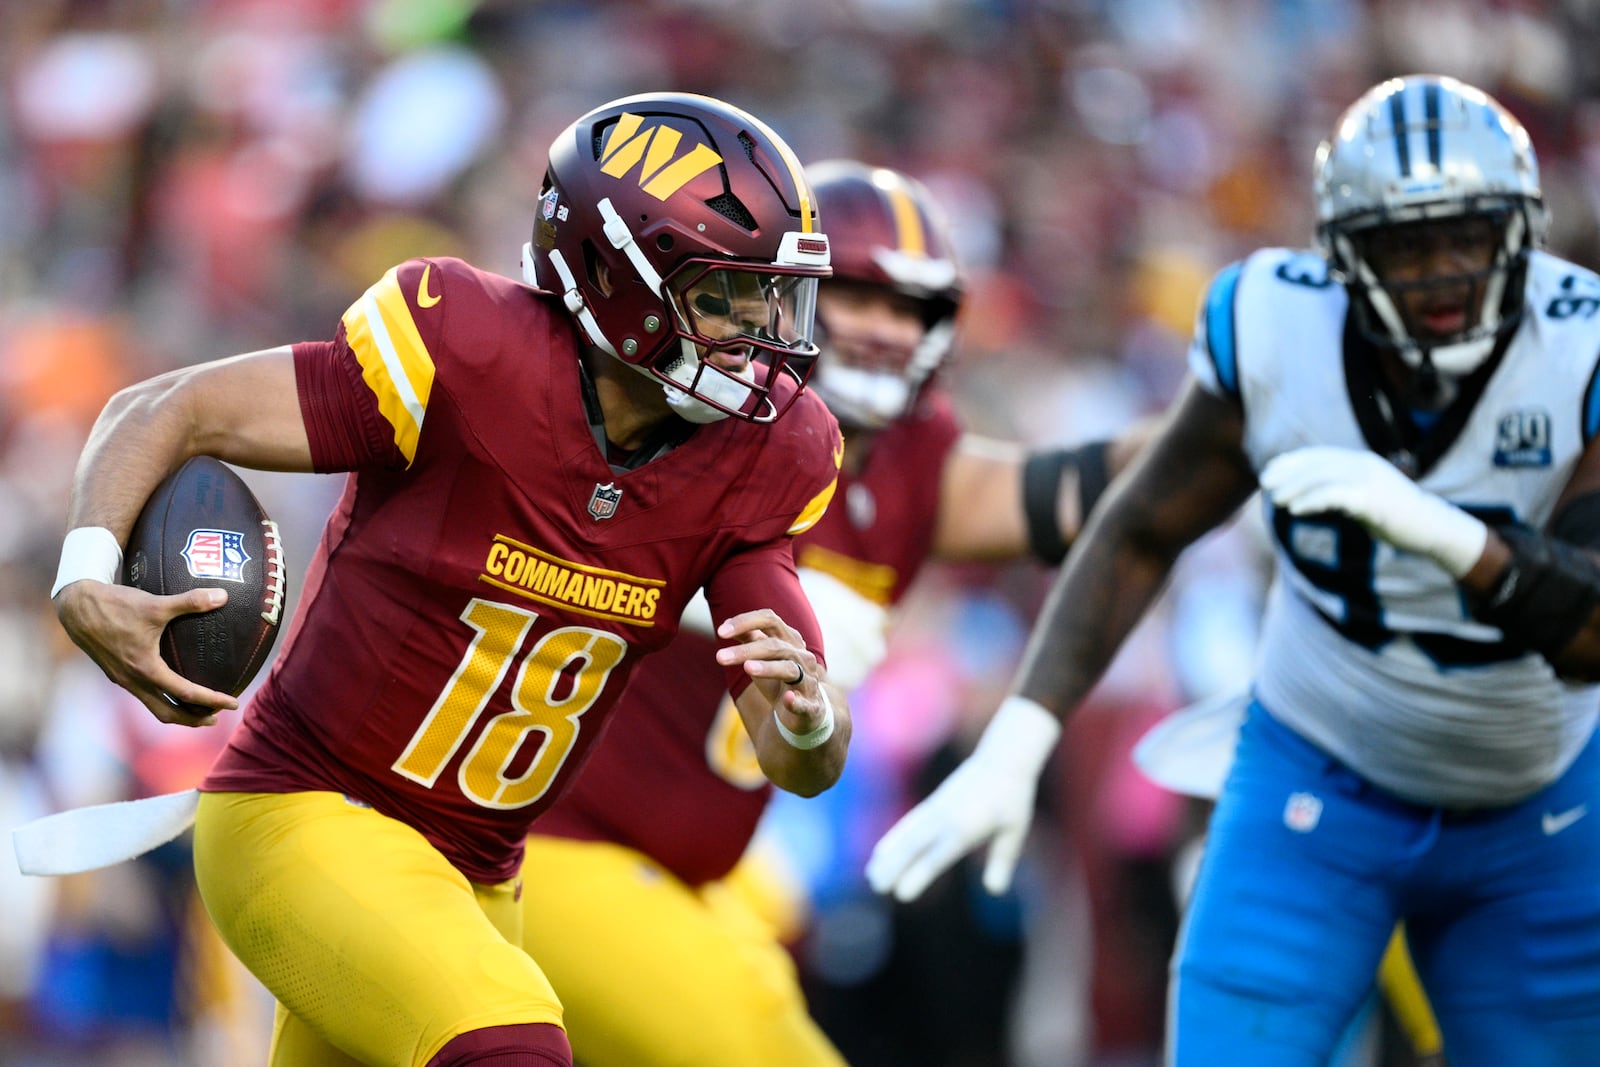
{"x":185,"y":179}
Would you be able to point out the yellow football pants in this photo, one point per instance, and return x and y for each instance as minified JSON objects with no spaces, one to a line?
{"x":655,"y":974}
{"x":377,"y":949}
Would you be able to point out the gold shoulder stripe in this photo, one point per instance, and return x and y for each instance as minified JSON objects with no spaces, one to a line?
{"x":814,"y":510}
{"x":395,"y":363}
{"x":874,"y":581}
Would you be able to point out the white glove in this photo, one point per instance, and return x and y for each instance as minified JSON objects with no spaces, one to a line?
{"x":990,"y":796}
{"x":854,"y":629}
{"x":1370,"y":490}
{"x":696,"y":618}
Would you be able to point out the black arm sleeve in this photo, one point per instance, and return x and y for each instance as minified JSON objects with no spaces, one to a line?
{"x":1579,"y":522}
{"x":1546,"y":594}
{"x":1041,"y":492}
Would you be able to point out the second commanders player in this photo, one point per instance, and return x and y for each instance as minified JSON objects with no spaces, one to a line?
{"x":628,"y":906}
{"x":540,"y":482}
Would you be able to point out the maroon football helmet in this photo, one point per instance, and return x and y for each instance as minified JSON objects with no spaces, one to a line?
{"x":887,"y":233}
{"x":673,"y":225}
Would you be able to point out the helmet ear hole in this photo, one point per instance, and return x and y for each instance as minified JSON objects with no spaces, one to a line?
{"x":664,"y":242}
{"x":599,"y":275}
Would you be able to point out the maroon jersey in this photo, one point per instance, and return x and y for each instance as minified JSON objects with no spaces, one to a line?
{"x":487,"y":582}
{"x":676,"y":779}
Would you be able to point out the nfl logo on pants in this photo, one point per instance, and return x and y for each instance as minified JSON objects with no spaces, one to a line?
{"x":1302,"y":813}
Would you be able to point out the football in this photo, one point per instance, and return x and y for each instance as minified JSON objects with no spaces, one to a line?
{"x":204,"y":528}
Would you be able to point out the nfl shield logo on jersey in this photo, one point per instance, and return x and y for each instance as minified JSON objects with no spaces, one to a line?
{"x":216,"y":554}
{"x":603,"y":504}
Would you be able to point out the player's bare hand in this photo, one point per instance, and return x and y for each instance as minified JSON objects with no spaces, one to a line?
{"x":773,"y":653}
{"x":120,"y":628}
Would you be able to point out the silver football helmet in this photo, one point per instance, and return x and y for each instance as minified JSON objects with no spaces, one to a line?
{"x":1420,"y":149}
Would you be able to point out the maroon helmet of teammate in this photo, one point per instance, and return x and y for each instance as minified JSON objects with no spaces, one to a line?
{"x":673,"y":225}
{"x":888,"y":235}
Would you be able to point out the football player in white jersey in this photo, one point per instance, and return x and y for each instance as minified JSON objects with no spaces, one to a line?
{"x":1418,"y":401}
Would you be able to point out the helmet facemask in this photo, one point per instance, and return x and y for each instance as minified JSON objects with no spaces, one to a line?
{"x":1393,"y":306}
{"x":866,"y":382}
{"x":1429,"y":161}
{"x":764,"y":316}
{"x":738,"y":331}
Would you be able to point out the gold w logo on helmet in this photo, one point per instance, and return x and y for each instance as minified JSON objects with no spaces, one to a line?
{"x":630,"y":141}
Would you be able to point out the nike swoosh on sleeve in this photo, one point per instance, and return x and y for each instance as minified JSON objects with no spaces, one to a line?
{"x":423,"y":299}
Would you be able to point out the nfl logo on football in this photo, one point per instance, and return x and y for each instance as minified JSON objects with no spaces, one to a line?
{"x":603,"y":504}
{"x":216,"y":554}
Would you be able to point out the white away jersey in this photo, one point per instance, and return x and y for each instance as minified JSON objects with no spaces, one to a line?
{"x":1369,"y":651}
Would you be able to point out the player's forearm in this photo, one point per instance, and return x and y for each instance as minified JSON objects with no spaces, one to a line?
{"x":1108,"y":584}
{"x":1188,"y":481}
{"x":143,"y":433}
{"x":244,"y":409}
{"x":805,"y":771}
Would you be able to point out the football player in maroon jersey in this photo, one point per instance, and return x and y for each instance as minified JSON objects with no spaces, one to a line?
{"x":540,"y":478}
{"x":627,"y":901}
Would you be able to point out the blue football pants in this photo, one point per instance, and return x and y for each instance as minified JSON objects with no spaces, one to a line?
{"x":1308,"y":868}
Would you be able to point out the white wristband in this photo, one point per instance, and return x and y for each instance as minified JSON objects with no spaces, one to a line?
{"x":89,"y":553}
{"x":812,"y":738}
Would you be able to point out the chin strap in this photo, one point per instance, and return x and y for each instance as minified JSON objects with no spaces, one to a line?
{"x":686,"y":405}
{"x":621,"y":238}
{"x":571,"y":296}
{"x":682,"y":402}
{"x":869,"y":399}
{"x":872,"y":399}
